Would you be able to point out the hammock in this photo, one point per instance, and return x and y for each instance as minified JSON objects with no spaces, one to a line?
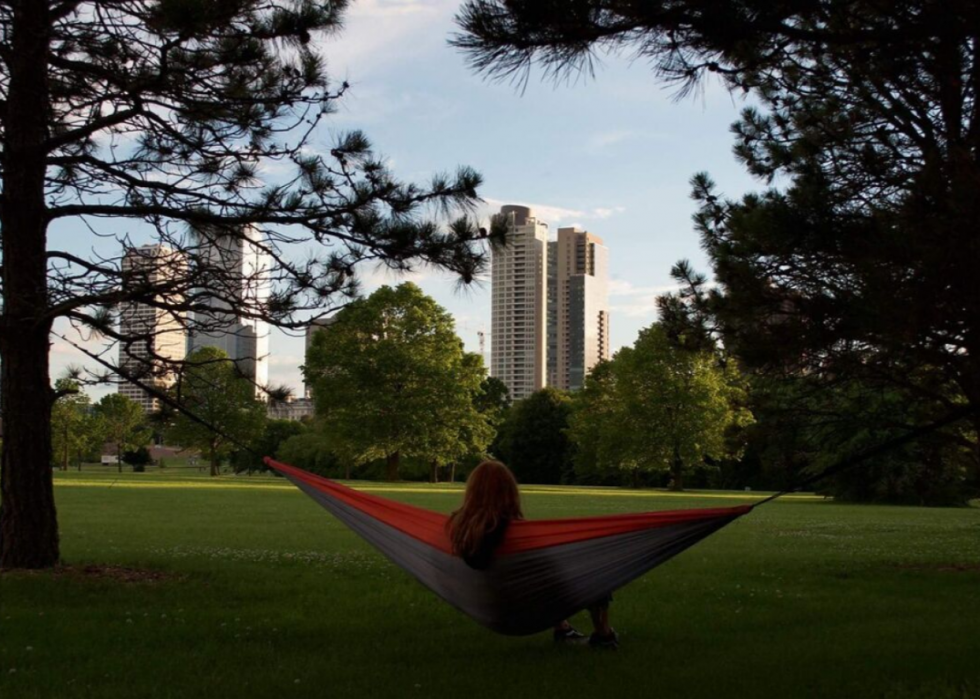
{"x":544,"y":570}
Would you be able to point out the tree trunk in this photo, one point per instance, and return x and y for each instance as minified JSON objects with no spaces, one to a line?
{"x":347,"y":470}
{"x":28,"y":521}
{"x":677,"y":473}
{"x":64,"y":456}
{"x":433,"y":472}
{"x":392,"y":470}
{"x":976,"y":444}
{"x":452,"y":472}
{"x":215,"y":463}
{"x":119,"y":458}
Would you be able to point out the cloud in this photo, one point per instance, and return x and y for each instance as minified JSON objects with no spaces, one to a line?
{"x":379,"y":32}
{"x":601,"y":141}
{"x":284,"y":360}
{"x":607,"y":140}
{"x":373,"y":276}
{"x":636,"y":301}
{"x":555,"y":215}
{"x":602,"y":212}
{"x":374,"y":103}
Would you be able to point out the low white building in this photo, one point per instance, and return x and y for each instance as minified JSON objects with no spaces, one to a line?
{"x":296,"y":409}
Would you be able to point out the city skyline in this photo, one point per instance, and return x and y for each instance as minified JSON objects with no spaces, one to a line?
{"x":559,"y":150}
{"x":544,"y":288}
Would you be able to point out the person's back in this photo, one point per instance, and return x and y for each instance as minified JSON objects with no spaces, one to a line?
{"x":490,"y":504}
{"x":476,"y":529}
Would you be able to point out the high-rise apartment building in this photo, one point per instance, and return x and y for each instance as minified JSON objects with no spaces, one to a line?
{"x":578,"y":307}
{"x":552,"y":372}
{"x":158,"y":335}
{"x":240,"y":280}
{"x":520,"y":304}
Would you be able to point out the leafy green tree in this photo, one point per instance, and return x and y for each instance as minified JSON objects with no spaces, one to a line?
{"x":138,"y":458}
{"x":460,"y":427}
{"x":142,"y":121}
{"x":121,"y":423}
{"x":493,"y":399}
{"x":390,"y":379}
{"x":74,"y":430}
{"x":313,"y":451}
{"x":656,"y":407}
{"x":533,"y":441}
{"x":274,"y":433}
{"x":222,"y":411}
{"x":596,"y":460}
{"x":493,"y":402}
{"x":806,"y":427}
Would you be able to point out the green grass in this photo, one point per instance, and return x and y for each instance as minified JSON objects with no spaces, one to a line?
{"x":269,"y":596}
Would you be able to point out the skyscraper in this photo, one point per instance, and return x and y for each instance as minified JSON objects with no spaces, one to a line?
{"x":578,"y":306}
{"x":239,"y":279}
{"x":158,"y":335}
{"x":520,"y":304}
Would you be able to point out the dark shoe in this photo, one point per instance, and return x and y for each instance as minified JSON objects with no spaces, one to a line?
{"x":569,"y":635}
{"x":609,"y":642}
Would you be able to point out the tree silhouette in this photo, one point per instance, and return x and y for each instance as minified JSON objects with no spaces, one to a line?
{"x":190,"y":125}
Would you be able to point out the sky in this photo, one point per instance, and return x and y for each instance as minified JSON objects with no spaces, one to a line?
{"x":612,"y":153}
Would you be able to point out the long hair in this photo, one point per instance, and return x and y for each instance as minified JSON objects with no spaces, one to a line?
{"x":491,"y":498}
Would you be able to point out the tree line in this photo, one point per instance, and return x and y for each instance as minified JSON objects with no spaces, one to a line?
{"x":397,"y":396}
{"x":391,"y":381}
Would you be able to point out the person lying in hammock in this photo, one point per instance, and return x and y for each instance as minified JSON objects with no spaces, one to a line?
{"x":490,"y":504}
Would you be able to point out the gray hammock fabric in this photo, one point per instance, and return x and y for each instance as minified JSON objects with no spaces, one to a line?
{"x":544,"y":570}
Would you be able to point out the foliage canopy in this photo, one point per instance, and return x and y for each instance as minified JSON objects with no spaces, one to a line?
{"x":656,"y":407}
{"x":390,"y":379}
{"x":222,"y":411}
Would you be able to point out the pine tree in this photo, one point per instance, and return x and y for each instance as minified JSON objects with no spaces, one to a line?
{"x":167,"y":116}
{"x":861,"y":260}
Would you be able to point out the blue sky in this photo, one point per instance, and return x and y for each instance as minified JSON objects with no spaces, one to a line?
{"x":612,"y":154}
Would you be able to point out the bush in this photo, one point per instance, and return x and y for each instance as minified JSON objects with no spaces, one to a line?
{"x":312,"y":452}
{"x":139,"y":459}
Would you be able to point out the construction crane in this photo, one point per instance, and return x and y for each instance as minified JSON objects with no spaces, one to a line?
{"x":481,"y":335}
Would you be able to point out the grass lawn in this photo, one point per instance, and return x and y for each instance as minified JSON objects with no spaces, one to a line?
{"x":261,"y":593}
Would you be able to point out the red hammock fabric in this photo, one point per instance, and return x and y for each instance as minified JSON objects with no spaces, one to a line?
{"x":430,"y":527}
{"x":544,"y":570}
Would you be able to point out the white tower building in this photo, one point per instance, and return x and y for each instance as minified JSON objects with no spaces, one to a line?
{"x":519,"y":325}
{"x":242,"y":282}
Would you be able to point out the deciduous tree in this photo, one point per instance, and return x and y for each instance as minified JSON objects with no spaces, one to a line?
{"x":657,"y":407}
{"x":533,"y":440}
{"x":74,"y":431}
{"x":222,"y":412}
{"x":266,"y":443}
{"x":121,"y":423}
{"x":390,"y":379}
